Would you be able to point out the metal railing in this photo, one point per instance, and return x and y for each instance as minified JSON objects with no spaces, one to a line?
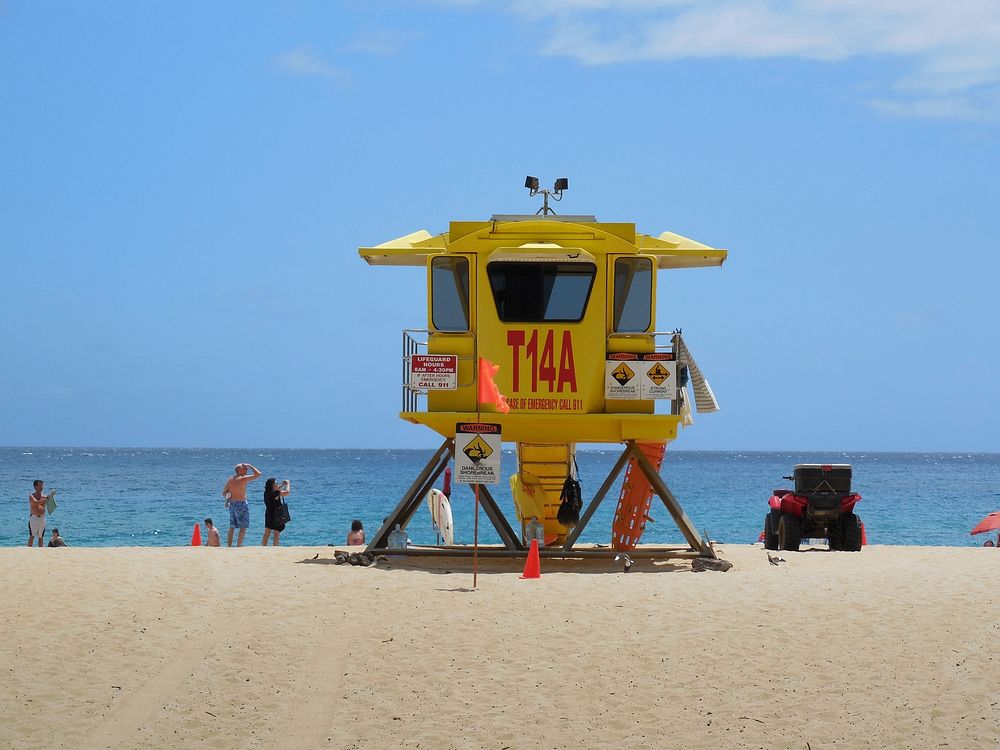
{"x":411,"y":345}
{"x":415,"y":342}
{"x":658,"y":344}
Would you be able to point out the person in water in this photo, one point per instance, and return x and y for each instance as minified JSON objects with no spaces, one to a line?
{"x":212,"y":538}
{"x":356,"y":536}
{"x":56,"y":540}
{"x":235,"y":492}
{"x":272,"y":502}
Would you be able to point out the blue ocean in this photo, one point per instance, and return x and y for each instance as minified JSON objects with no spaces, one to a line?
{"x":154,"y":496}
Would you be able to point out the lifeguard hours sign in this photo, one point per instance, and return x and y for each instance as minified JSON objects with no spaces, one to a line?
{"x":433,"y":372}
{"x":477,"y":453}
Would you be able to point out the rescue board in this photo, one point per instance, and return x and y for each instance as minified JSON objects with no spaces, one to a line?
{"x":441,"y":518}
{"x":446,"y":525}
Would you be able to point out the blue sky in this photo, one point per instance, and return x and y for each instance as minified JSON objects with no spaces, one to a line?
{"x":184,"y":185}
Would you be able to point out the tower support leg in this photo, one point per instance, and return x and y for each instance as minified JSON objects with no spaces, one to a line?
{"x":414,"y":496}
{"x":696,"y":540}
{"x":499,"y":521}
{"x":596,"y":502}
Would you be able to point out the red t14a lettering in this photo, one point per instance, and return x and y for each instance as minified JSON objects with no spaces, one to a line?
{"x":542,"y":364}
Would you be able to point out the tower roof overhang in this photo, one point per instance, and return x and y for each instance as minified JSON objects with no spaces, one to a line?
{"x":671,"y":250}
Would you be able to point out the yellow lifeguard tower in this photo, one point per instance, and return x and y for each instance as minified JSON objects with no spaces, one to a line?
{"x":566,"y":307}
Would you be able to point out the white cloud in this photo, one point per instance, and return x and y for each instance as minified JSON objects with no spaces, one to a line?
{"x":939,"y":108}
{"x":950,"y":49}
{"x":303,"y":60}
{"x":380,"y":41}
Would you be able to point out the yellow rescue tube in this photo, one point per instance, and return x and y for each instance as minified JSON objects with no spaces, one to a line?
{"x":529,"y":496}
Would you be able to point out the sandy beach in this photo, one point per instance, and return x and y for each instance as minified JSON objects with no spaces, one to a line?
{"x":895,"y":647}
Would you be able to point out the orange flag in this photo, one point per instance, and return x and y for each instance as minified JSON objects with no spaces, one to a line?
{"x":488,"y":391}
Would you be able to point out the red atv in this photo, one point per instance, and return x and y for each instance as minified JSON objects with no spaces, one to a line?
{"x":821,"y":505}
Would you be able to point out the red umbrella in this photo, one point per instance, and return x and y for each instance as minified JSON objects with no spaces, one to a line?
{"x":990,"y":523}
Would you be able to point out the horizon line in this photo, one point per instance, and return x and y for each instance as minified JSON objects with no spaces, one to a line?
{"x":583,"y":446}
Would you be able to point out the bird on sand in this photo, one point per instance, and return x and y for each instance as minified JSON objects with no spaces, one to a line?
{"x":628,"y":561}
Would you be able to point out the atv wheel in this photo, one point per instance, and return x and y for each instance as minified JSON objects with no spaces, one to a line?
{"x":850,"y":532}
{"x":771,"y":530}
{"x":834,"y":536}
{"x":789,"y":532}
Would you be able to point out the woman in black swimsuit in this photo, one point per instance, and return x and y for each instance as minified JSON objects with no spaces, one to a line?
{"x":272,"y":501}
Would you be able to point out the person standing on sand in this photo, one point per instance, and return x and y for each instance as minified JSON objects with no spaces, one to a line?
{"x":272,"y":502}
{"x":36,"y":513}
{"x":235,"y":492}
{"x":212,"y":538}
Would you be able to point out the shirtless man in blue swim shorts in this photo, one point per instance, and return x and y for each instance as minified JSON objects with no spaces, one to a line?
{"x":235,"y":493}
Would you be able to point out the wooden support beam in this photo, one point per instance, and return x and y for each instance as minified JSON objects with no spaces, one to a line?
{"x":558,"y":553}
{"x":687,"y":528}
{"x":596,"y":502}
{"x":412,"y":498}
{"x":498,"y":519}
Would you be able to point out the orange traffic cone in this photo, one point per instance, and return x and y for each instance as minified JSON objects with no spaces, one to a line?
{"x":532,"y":566}
{"x":196,"y":536}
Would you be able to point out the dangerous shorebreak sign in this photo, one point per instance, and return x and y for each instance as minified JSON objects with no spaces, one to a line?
{"x":433,"y":372}
{"x":477,"y":453}
{"x":621,"y":376}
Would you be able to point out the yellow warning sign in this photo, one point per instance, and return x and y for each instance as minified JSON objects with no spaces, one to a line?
{"x":477,"y":449}
{"x":658,"y":379}
{"x":623,"y":373}
{"x":478,"y":460}
{"x":658,"y":373}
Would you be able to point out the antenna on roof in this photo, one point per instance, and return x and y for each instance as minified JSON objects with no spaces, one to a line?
{"x":556,"y":192}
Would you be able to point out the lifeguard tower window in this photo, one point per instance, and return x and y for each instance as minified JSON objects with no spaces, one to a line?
{"x":539,"y":292}
{"x":633,"y":294}
{"x":450,"y":294}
